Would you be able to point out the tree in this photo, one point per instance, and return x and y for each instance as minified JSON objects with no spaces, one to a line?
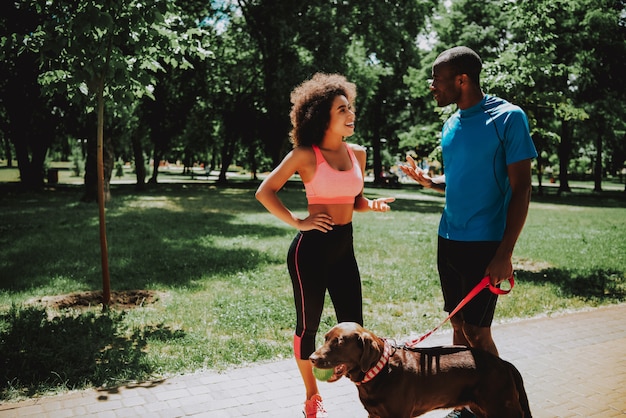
{"x":478,"y":25}
{"x":239,"y":99}
{"x":29,"y":118}
{"x":600,"y":81}
{"x":372,"y":43}
{"x":534,"y":70}
{"x":273,"y":26}
{"x":388,"y":31}
{"x":94,"y":51}
{"x":548,"y":57}
{"x":571,"y":54}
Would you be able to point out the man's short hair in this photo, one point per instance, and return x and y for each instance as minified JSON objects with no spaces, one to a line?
{"x":462,"y":60}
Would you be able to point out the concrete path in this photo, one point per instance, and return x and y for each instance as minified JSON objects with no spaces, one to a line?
{"x":573,"y":365}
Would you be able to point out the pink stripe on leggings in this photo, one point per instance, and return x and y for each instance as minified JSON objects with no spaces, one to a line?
{"x":297,"y":339}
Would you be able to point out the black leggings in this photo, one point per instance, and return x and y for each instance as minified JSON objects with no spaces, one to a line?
{"x":318,"y":261}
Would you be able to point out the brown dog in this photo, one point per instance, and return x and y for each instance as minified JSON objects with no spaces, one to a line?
{"x":400,"y":382}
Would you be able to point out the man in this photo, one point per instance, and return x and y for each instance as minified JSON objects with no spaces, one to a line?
{"x":487,"y":152}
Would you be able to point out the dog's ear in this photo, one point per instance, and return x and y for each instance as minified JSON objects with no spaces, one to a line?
{"x":371,"y":351}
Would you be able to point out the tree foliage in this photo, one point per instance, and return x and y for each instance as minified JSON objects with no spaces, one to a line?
{"x":562,"y":61}
{"x":554,"y":59}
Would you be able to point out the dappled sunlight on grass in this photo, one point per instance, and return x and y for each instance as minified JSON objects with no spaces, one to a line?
{"x":219,"y":260}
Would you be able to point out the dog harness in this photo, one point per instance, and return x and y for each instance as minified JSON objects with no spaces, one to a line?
{"x":330,"y":186}
{"x":384,"y":358}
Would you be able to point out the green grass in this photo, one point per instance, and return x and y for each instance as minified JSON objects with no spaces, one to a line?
{"x":218,"y":259}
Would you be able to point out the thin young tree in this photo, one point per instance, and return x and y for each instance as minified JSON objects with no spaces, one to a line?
{"x":108,"y":52}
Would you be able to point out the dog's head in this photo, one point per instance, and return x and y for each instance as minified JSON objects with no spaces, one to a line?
{"x":350,"y":349}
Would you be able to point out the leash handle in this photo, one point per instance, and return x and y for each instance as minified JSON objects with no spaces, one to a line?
{"x":497,"y":290}
{"x":485,"y":282}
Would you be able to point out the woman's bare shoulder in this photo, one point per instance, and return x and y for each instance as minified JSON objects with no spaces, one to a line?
{"x":357,"y":149}
{"x":302,"y":154}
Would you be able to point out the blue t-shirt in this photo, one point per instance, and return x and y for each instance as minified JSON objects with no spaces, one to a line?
{"x":477,"y":145}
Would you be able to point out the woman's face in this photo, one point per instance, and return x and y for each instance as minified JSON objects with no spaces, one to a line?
{"x":341,"y":117}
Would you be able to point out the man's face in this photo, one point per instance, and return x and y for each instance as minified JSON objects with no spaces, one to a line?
{"x":445,"y":85}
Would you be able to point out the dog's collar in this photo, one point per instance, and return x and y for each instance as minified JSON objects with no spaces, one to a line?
{"x":371,"y":373}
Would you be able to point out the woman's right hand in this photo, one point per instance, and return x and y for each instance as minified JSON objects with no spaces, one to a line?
{"x":316,"y":221}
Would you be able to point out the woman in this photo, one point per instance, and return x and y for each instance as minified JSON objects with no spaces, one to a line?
{"x":321,"y":255}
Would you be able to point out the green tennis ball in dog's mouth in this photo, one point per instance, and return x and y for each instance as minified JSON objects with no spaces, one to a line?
{"x":323,"y":374}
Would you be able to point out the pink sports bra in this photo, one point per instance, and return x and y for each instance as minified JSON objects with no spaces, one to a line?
{"x":330,"y":186}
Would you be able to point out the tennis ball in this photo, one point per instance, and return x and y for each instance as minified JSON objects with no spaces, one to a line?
{"x":323,"y":374}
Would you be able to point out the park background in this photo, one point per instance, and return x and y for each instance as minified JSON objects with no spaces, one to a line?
{"x":194,"y":110}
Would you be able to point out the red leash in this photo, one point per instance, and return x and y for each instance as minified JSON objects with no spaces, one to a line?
{"x":476,"y":290}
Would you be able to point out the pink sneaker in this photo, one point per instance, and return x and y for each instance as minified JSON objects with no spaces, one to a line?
{"x":314,"y":408}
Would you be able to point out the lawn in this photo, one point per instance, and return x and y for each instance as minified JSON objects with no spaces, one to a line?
{"x":215,"y":259}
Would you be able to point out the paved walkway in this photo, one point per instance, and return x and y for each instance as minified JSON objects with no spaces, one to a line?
{"x":574,"y":365}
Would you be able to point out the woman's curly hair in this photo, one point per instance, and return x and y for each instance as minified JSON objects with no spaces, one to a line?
{"x":311,"y":102}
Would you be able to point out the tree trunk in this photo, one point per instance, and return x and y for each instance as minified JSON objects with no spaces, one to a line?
{"x":108,"y":163}
{"x":140,"y":164}
{"x":564,"y":151}
{"x":252,"y":161}
{"x":228,"y":151}
{"x":91,"y":176}
{"x":102,"y":190}
{"x":597,"y":169}
{"x":539,"y":173}
{"x":376,"y":143}
{"x":91,"y":170}
{"x":30,"y":160}
{"x":23,"y":161}
{"x":214,"y":155}
{"x":156,"y":161}
{"x":7,"y":152}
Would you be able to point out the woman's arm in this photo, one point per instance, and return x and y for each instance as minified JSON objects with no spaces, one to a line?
{"x":361,"y":203}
